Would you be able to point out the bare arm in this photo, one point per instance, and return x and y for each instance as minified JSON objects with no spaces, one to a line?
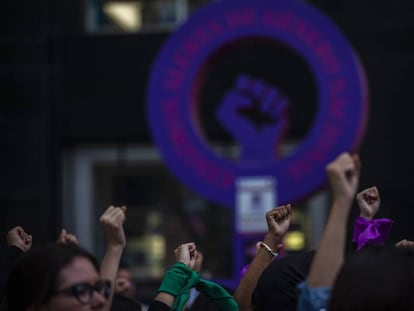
{"x":112,"y":221}
{"x":278,"y":221}
{"x":343,"y":175}
{"x":18,"y":242}
{"x":187,"y":254}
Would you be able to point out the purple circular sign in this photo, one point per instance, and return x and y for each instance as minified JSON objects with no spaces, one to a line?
{"x":178,"y":74}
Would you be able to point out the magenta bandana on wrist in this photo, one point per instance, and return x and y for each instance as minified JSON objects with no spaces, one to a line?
{"x":371,"y":231}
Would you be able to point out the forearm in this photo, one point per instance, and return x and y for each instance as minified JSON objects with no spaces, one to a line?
{"x":109,"y":266}
{"x":248,"y":283}
{"x":175,"y":286}
{"x":8,"y":257}
{"x":165,"y":298}
{"x":330,"y":253}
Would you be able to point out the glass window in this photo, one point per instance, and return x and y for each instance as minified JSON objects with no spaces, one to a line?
{"x":138,"y":15}
{"x":163,"y":213}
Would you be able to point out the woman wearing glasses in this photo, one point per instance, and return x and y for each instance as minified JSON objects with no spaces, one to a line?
{"x":57,"y":277}
{"x":66,"y":277}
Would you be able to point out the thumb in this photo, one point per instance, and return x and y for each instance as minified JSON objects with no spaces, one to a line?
{"x":61,"y":234}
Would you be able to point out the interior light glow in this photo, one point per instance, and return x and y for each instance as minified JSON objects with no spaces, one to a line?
{"x":294,"y":240}
{"x":124,"y":14}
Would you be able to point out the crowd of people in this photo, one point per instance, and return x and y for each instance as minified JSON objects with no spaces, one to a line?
{"x":373,"y":276}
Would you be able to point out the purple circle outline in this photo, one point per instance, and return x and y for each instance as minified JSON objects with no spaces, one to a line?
{"x":171,"y":104}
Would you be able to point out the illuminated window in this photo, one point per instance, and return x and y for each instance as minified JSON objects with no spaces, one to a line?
{"x":138,"y":15}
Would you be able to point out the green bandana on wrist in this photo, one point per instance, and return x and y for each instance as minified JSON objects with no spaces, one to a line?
{"x":178,"y":281}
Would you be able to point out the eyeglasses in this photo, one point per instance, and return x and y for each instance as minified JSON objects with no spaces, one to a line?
{"x":83,"y":292}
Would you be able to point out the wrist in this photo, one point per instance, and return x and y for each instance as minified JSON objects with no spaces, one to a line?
{"x":116,"y":242}
{"x":20,"y":246}
{"x":16,"y":249}
{"x":343,"y":199}
{"x":271,"y":251}
{"x":366,"y":216}
{"x":272,"y":240}
{"x":175,"y":279}
{"x":115,"y":248}
{"x":184,"y":262}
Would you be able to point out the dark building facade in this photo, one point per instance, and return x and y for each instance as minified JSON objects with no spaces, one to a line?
{"x":62,"y":86}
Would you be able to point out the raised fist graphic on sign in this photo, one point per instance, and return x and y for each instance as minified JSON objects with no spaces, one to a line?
{"x":255,"y":115}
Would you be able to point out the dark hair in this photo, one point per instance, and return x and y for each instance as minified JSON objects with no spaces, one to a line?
{"x":123,"y":303}
{"x":124,"y":265}
{"x":375,"y":278}
{"x":34,"y":275}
